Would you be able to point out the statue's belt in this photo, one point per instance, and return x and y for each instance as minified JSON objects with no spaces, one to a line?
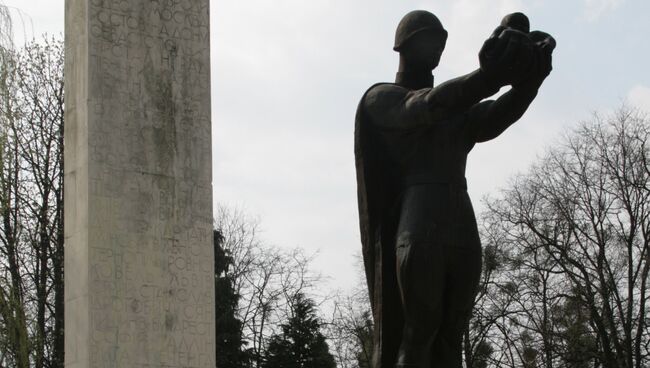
{"x":418,"y":179}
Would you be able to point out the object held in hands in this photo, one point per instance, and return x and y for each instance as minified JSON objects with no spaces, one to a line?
{"x":515,"y":56}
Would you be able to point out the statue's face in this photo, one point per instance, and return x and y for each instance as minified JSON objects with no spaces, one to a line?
{"x":425,"y":48}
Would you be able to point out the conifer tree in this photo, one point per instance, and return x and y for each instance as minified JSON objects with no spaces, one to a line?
{"x":301,"y":343}
{"x":229,"y":343}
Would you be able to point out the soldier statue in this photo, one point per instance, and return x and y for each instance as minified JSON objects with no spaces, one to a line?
{"x":421,"y":247}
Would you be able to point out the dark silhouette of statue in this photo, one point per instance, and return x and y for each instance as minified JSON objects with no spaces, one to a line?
{"x":421,"y":247}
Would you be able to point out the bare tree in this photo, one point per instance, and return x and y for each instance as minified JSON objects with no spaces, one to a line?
{"x":350,"y":329}
{"x":6,"y":30}
{"x":575,"y":231}
{"x":484,"y":344}
{"x":266,"y":279}
{"x":31,"y":205}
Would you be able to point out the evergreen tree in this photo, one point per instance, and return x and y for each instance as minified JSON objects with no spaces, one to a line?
{"x":301,"y":344}
{"x":229,"y":341}
{"x":482,"y":355}
{"x":580,"y":346}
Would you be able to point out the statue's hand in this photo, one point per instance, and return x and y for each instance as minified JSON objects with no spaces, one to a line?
{"x":507,"y":56}
{"x":543,"y":61}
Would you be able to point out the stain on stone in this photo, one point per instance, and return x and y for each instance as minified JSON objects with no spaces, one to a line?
{"x":170,"y":321}
{"x":135,"y":305}
{"x":159,"y":85}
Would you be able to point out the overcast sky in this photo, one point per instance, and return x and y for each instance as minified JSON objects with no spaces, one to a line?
{"x":287,"y":76}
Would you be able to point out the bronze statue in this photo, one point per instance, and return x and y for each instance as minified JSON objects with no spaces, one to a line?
{"x":421,"y":247}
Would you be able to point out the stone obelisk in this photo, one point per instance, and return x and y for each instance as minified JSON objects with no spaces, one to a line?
{"x":139,"y":279}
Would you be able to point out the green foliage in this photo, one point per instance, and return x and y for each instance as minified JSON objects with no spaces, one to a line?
{"x":301,"y":344}
{"x":482,"y":355}
{"x":580,"y":342}
{"x":229,"y":342}
{"x":529,"y":354}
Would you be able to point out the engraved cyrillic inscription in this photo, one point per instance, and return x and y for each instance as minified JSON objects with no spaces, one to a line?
{"x":149,"y":225}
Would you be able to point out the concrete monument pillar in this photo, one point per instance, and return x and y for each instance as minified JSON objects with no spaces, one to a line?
{"x":139,"y":279}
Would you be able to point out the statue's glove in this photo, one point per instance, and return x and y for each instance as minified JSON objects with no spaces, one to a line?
{"x":507,"y":56}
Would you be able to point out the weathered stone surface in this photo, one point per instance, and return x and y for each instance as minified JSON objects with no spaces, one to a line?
{"x":139,"y":258}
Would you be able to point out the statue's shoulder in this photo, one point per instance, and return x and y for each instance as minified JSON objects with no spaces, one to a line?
{"x":384,"y":87}
{"x":382,"y":95}
{"x":380,"y":90}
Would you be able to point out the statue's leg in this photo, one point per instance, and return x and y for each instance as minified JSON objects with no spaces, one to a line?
{"x":463,"y":266}
{"x":420,"y":274}
{"x":421,"y":284}
{"x":458,"y":300}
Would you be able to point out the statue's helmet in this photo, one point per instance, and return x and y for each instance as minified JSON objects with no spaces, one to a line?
{"x":416,"y":22}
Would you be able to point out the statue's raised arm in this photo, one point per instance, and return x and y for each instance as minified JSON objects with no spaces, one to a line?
{"x":507,"y":56}
{"x":489,"y":119}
